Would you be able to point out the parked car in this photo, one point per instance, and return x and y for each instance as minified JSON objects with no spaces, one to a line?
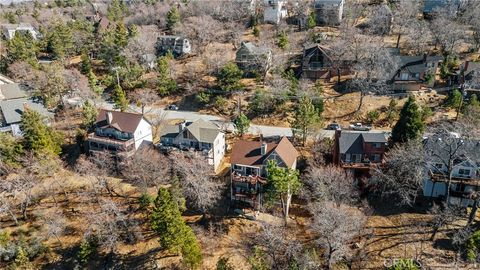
{"x":360,"y":127}
{"x":334,"y":126}
{"x":172,"y":107}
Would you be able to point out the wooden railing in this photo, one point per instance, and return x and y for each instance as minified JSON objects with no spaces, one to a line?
{"x":124,"y":145}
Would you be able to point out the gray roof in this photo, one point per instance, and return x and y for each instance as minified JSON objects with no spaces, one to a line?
{"x":352,"y":141}
{"x":11,"y":91}
{"x":203,"y":131}
{"x":415,"y":64}
{"x":432,"y":5}
{"x":169,"y":131}
{"x":12,"y":109}
{"x":253,"y":49}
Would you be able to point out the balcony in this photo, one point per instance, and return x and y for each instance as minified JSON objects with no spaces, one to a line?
{"x":110,"y":143}
{"x":443,"y":177}
{"x":251,"y":179}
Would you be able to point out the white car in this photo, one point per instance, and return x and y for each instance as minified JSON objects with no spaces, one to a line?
{"x":360,"y":127}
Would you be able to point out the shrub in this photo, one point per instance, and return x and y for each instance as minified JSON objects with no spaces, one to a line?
{"x":473,"y":246}
{"x":202,"y":97}
{"x":145,"y":201}
{"x":88,"y":247}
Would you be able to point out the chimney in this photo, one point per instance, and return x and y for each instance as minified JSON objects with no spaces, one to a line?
{"x":263,"y":149}
{"x":336,"y":147}
{"x":109,"y":117}
{"x":181,"y":127}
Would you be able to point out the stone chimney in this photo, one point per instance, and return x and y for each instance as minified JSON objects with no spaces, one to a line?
{"x":109,"y":117}
{"x":336,"y":147}
{"x":263,"y":149}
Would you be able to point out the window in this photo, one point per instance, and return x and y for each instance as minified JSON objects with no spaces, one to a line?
{"x":237,"y":168}
{"x":464,"y":172}
{"x":439,"y":166}
{"x":185,"y":135}
{"x":347,"y":157}
{"x":376,"y":145}
{"x":376,"y":157}
{"x":404,"y":76}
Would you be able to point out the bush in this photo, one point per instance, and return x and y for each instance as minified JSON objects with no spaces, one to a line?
{"x":221,"y":103}
{"x":372,"y":116}
{"x":88,"y":247}
{"x":473,"y":246}
{"x":145,"y":201}
{"x":203,"y":97}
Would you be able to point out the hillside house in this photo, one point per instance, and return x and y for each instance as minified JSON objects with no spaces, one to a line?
{"x":328,"y":12}
{"x":120,"y":132}
{"x":274,"y":11}
{"x":431,"y":7}
{"x":317,"y":64}
{"x":178,"y":45}
{"x":199,"y":135}
{"x":248,"y":167}
{"x":13,"y":102}
{"x":415,"y":72}
{"x":468,"y":76}
{"x":465,"y":173}
{"x":357,"y":151}
{"x":253,"y":59}
{"x":9,"y":30}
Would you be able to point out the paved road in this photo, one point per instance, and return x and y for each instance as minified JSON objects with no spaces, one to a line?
{"x":267,"y":131}
{"x":225,"y":124}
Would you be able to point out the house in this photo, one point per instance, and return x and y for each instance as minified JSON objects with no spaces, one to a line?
{"x":9,"y":30}
{"x":357,"y":151}
{"x":431,"y":7}
{"x":200,"y":135}
{"x":317,"y":63}
{"x":178,"y":45}
{"x":415,"y":72}
{"x":468,"y":76}
{"x":328,"y":12}
{"x":248,"y":167}
{"x":13,"y":102}
{"x":119,"y":132}
{"x":253,"y":59}
{"x":465,"y":173}
{"x":274,"y":11}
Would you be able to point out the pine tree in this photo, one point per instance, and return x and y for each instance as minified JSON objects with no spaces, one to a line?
{"x":410,"y":125}
{"x":173,"y":18}
{"x":121,"y":35}
{"x":10,"y":149}
{"x":60,"y":40}
{"x":306,"y":116}
{"x":242,"y":124}
{"x":311,"y":21}
{"x":174,"y":234}
{"x":39,"y":138}
{"x":89,"y":114}
{"x":86,"y":66}
{"x":120,"y":99}
{"x":282,"y":40}
{"x":93,"y":83}
{"x":474,"y":101}
{"x":283,"y":183}
{"x":166,"y":85}
{"x":116,"y":11}
{"x":229,"y":76}
{"x":22,"y":47}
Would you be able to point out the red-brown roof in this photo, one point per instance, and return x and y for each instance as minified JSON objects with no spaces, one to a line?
{"x":122,"y":121}
{"x":249,"y":152}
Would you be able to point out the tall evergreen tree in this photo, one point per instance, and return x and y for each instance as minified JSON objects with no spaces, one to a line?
{"x":306,"y":116}
{"x":410,"y":125}
{"x":39,"y":138}
{"x":173,"y":18}
{"x":60,"y":40}
{"x":22,"y":47}
{"x":120,"y":99}
{"x":229,"y":76}
{"x":174,"y":234}
{"x":89,"y":114}
{"x":242,"y":124}
{"x":166,"y":85}
{"x":283,"y":183}
{"x":117,"y":10}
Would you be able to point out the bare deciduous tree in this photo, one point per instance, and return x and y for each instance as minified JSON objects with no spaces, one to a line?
{"x":403,"y":173}
{"x":199,"y":185}
{"x":336,"y":228}
{"x":54,"y":223}
{"x":330,"y":183}
{"x":144,"y":98}
{"x":147,"y":168}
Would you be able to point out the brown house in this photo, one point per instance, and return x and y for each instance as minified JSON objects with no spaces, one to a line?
{"x":317,"y":63}
{"x":358,"y":150}
{"x":248,"y":170}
